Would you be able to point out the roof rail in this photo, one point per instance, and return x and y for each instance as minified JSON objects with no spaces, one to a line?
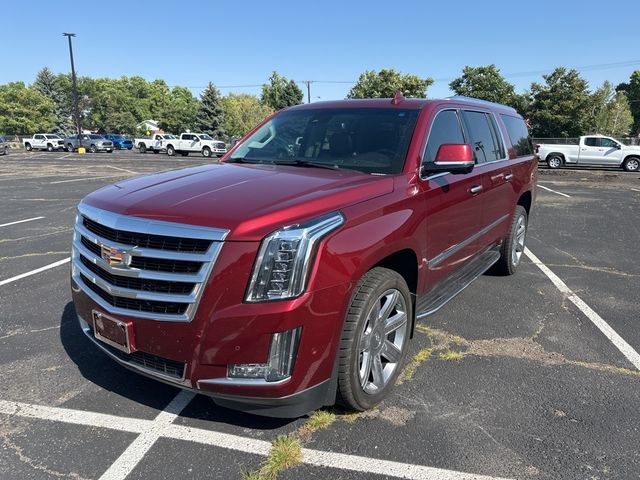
{"x":481,"y":102}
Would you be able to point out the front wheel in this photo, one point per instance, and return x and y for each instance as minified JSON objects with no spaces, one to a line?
{"x":514,"y":243}
{"x":28,"y":147}
{"x":69,"y":147}
{"x":93,"y":149}
{"x":49,"y":147}
{"x":206,"y":152}
{"x":554,"y":162}
{"x":374,"y":339}
{"x":631,"y":164}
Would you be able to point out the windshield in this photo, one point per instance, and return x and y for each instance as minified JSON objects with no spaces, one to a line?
{"x":95,"y":136}
{"x":204,"y":136}
{"x":372,"y":140}
{"x":52,"y":136}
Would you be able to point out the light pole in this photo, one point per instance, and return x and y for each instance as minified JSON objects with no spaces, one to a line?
{"x":76,"y":110}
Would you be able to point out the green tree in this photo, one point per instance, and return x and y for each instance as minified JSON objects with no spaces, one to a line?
{"x":610,"y":113}
{"x":179,"y":112}
{"x":560,"y":106}
{"x":210,"y":117}
{"x":24,"y":110}
{"x":632,"y":89}
{"x":487,"y":83}
{"x":242,"y":112}
{"x":386,"y":82}
{"x":48,"y":85}
{"x":280,"y":92}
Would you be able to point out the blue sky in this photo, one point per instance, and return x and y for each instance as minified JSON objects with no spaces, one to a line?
{"x":240,"y":42}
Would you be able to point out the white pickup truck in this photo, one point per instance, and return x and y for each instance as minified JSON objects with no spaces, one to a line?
{"x":44,"y":141}
{"x":156,"y":143}
{"x":592,"y":150}
{"x":196,"y":142}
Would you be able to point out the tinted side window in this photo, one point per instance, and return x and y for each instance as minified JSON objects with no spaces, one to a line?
{"x":519,"y":134}
{"x":445,"y":129}
{"x":608,"y":143}
{"x":187,"y":137}
{"x":39,"y":137}
{"x":592,"y":142}
{"x":483,"y":138}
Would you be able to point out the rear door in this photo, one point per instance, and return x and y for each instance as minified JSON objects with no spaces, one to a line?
{"x":39,"y":141}
{"x":495,"y":170}
{"x":452,"y":203}
{"x":591,"y":152}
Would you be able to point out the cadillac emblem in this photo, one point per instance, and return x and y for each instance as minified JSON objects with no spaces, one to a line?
{"x":114,"y":256}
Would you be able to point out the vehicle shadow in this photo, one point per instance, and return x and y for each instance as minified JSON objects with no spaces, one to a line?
{"x":101,"y":370}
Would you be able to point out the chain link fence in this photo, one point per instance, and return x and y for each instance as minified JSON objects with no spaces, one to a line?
{"x":576,"y":140}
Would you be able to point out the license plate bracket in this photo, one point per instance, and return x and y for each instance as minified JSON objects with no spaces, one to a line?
{"x":114,"y":332}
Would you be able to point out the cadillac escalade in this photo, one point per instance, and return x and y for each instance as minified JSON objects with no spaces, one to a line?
{"x":292,"y":274}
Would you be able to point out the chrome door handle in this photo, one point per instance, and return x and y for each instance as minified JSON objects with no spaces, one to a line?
{"x":475,"y":189}
{"x":508,"y":177}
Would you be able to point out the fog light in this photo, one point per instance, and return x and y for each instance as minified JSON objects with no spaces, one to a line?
{"x":279,"y":366}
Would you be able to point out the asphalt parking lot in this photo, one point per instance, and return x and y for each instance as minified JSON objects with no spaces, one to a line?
{"x":532,"y":376}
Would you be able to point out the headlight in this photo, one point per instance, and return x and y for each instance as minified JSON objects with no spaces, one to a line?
{"x":285,"y":257}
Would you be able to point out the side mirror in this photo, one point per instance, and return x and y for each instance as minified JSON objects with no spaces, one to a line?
{"x":453,"y":158}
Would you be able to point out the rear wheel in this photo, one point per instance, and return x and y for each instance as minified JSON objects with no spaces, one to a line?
{"x":170,"y":150}
{"x":374,"y":339}
{"x":514,"y":243}
{"x":554,"y":161}
{"x":28,"y":147}
{"x":142,"y":148}
{"x":631,"y":164}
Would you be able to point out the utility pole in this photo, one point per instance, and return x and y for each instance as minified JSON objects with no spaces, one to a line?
{"x":308,"y":84}
{"x":76,"y":109}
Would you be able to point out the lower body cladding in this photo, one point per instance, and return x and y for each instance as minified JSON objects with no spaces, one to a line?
{"x":273,"y":359}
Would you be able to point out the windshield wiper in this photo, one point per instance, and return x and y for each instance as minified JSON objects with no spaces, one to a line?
{"x":307,"y":163}
{"x":241,"y":160}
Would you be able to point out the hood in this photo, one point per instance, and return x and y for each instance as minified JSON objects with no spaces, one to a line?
{"x":249,"y":200}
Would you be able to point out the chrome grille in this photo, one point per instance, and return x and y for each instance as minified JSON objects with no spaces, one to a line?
{"x":140,"y":267}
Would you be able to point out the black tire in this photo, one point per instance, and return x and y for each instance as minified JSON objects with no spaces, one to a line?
{"x":28,"y":147}
{"x":49,"y":147}
{"x":372,"y":288}
{"x":171,"y":151}
{"x":510,"y":260}
{"x":70,"y":148}
{"x":93,"y":149}
{"x":206,"y":152}
{"x":555,"y":161}
{"x":142,"y":148}
{"x":631,"y":164}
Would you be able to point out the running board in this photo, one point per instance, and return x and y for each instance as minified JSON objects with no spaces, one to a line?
{"x":439,"y":295}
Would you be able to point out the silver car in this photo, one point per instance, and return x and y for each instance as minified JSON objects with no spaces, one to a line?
{"x":92,"y":142}
{"x":4,"y":146}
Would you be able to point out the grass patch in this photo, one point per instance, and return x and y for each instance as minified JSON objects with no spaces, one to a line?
{"x":450,"y":355}
{"x":423,"y":328}
{"x":286,"y":452}
{"x":410,"y":370}
{"x":318,"y":420}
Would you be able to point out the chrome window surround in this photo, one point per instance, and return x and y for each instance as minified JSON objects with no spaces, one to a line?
{"x":145,"y":226}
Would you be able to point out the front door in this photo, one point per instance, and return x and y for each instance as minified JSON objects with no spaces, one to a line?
{"x":452,"y":204}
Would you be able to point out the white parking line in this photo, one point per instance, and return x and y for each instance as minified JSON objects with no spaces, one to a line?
{"x":634,"y":189}
{"x":126,"y":462}
{"x":21,"y":221}
{"x":162,"y":427}
{"x":121,"y":169}
{"x":33,"y":272}
{"x":84,"y":179}
{"x":619,"y":342}
{"x":553,"y":191}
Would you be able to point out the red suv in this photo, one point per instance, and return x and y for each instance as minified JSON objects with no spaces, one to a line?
{"x":292,"y":274}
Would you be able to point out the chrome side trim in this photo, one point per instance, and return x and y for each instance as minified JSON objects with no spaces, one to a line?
{"x":241,"y":382}
{"x":438,"y":259}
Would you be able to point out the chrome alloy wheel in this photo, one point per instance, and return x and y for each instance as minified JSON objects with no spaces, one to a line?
{"x":555,"y":162}
{"x":382,"y":340}
{"x":518,"y":240}
{"x":633,"y":165}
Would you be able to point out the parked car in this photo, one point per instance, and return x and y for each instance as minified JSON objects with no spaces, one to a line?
{"x":92,"y":142}
{"x":593,"y":150}
{"x":294,"y":272}
{"x":156,"y":143}
{"x":4,"y":146}
{"x":44,"y":141}
{"x":196,"y":143}
{"x":120,"y":142}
